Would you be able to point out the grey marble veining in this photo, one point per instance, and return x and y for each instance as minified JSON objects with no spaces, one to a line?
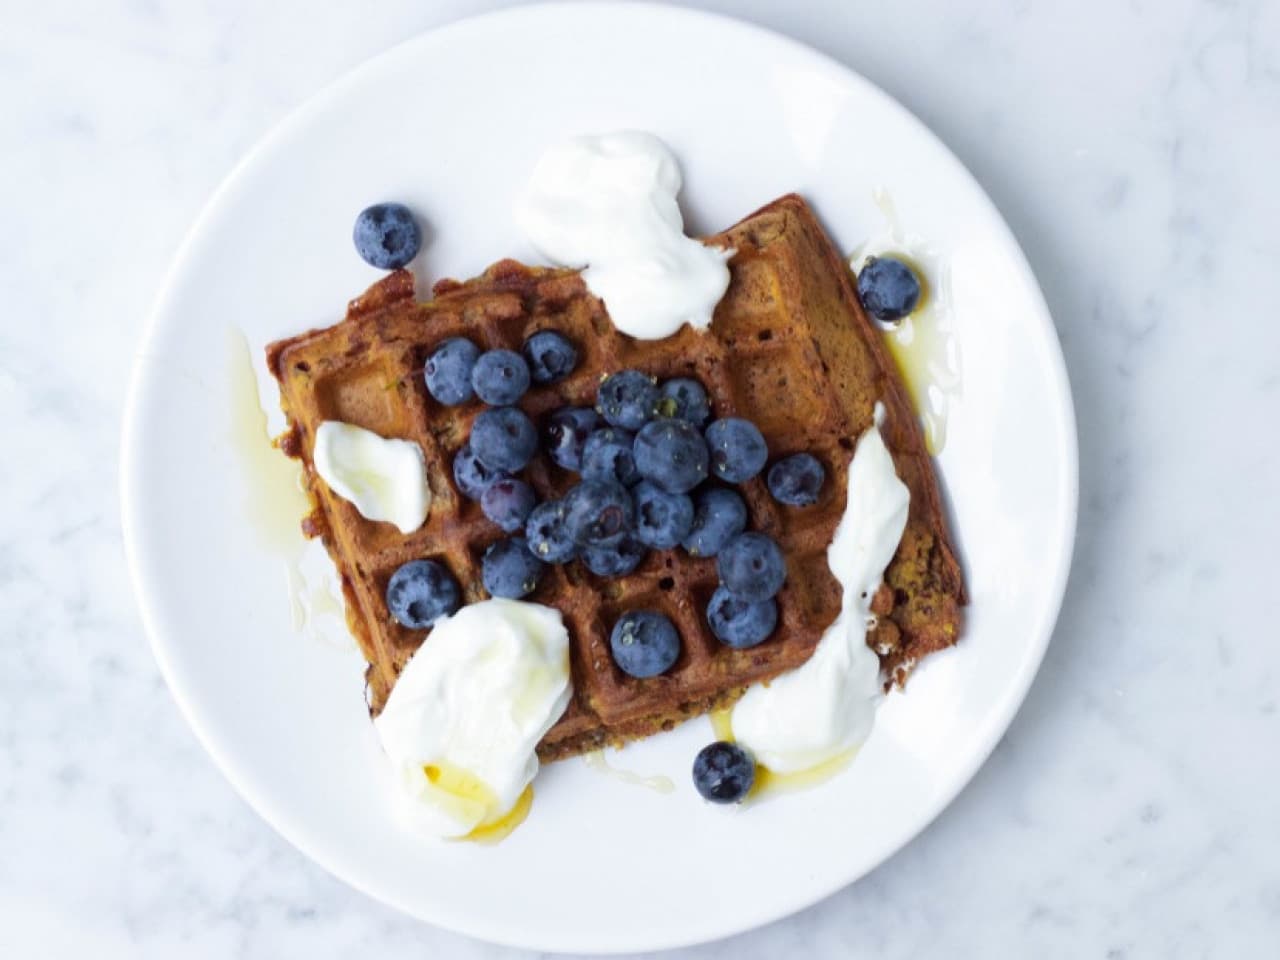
{"x":1129,"y":812}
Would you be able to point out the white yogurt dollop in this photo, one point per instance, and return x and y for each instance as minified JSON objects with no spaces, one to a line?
{"x":826,"y":707}
{"x":469,"y":708}
{"x":384,"y":479}
{"x":608,"y":203}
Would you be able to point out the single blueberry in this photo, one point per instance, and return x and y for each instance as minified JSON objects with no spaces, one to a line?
{"x":685,"y":399}
{"x":797,"y":480}
{"x":500,"y":377}
{"x":472,"y":476}
{"x":627,"y":399}
{"x":509,"y":570}
{"x":547,"y":534}
{"x":719,"y":515}
{"x":723,"y":772}
{"x":740,"y":624}
{"x":608,"y":455}
{"x":503,"y":438}
{"x":644,"y":643}
{"x":615,"y":559}
{"x":672,"y":454}
{"x":751,"y":567}
{"x":508,"y":503}
{"x":662,"y":519}
{"x":738,"y":450}
{"x":448,"y":371}
{"x":888,"y":288}
{"x":387,"y":236}
{"x":598,"y":512}
{"x":550,"y":355}
{"x":565,"y":435}
{"x":421,"y":592}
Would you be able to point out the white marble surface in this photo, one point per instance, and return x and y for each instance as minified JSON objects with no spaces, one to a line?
{"x":1131,"y":811}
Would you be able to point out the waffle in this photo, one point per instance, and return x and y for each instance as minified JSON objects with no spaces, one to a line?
{"x":790,"y":349}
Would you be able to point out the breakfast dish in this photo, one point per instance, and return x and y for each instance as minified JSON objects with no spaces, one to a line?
{"x":789,"y":350}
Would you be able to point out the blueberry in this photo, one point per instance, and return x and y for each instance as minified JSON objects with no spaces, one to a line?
{"x":503,"y":438}
{"x":738,"y":450}
{"x":723,"y":772}
{"x":448,"y":371}
{"x":421,"y":592}
{"x":644,"y":643}
{"x":888,"y":288}
{"x":685,"y":399}
{"x":608,"y":455}
{"x":548,"y":537}
{"x":627,"y":399}
{"x":598,"y":512}
{"x":565,"y":435}
{"x":614,"y":559}
{"x":797,"y":480}
{"x":472,"y":476}
{"x":740,"y":624}
{"x":509,"y":570}
{"x":719,"y":515}
{"x":500,"y":377}
{"x":508,"y":503}
{"x":671,"y":454}
{"x":387,"y":236}
{"x":550,"y":355}
{"x":662,"y":519}
{"x":751,"y":567}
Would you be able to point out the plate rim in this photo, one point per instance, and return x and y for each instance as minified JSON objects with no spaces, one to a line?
{"x":132,"y":465}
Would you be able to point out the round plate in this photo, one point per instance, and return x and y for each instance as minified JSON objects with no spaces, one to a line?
{"x":452,"y":123}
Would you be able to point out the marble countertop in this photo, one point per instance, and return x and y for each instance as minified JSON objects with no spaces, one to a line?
{"x":1131,"y":809}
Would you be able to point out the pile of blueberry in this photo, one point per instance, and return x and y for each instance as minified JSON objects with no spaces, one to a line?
{"x":645,"y":456}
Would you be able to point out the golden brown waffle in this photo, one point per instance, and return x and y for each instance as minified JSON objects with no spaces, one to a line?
{"x":789,"y":349}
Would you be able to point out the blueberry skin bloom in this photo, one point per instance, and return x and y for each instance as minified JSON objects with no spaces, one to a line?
{"x":473,"y":477}
{"x":609,"y":455}
{"x":548,"y":535}
{"x":500,"y":377}
{"x":739,"y":624}
{"x":628,"y":399}
{"x":550,"y":355}
{"x":598,"y":512}
{"x":797,"y":480}
{"x":888,"y":288}
{"x":751,"y":567}
{"x":448,"y":371}
{"x":614,"y":559}
{"x":565,"y":434}
{"x":387,"y":236}
{"x":662,"y":519}
{"x":503,"y":438}
{"x":420,"y":592}
{"x":738,"y":450}
{"x":719,"y":515}
{"x":508,"y":503}
{"x":685,"y":399}
{"x":671,"y":454}
{"x":644,"y":643}
{"x":509,"y":570}
{"x":723,"y":772}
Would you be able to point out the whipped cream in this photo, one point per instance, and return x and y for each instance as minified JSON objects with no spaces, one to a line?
{"x":384,"y":479}
{"x":469,"y":708}
{"x":826,"y":707}
{"x":608,"y":203}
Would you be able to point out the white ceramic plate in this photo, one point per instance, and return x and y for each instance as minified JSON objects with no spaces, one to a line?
{"x":451,"y":123}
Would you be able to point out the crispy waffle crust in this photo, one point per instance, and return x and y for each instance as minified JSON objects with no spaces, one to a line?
{"x":789,"y":349}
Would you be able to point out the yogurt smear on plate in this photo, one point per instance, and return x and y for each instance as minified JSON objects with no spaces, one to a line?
{"x":826,"y":706}
{"x":608,"y":203}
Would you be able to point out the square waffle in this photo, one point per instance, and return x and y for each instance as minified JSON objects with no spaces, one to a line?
{"x":789,"y":349}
